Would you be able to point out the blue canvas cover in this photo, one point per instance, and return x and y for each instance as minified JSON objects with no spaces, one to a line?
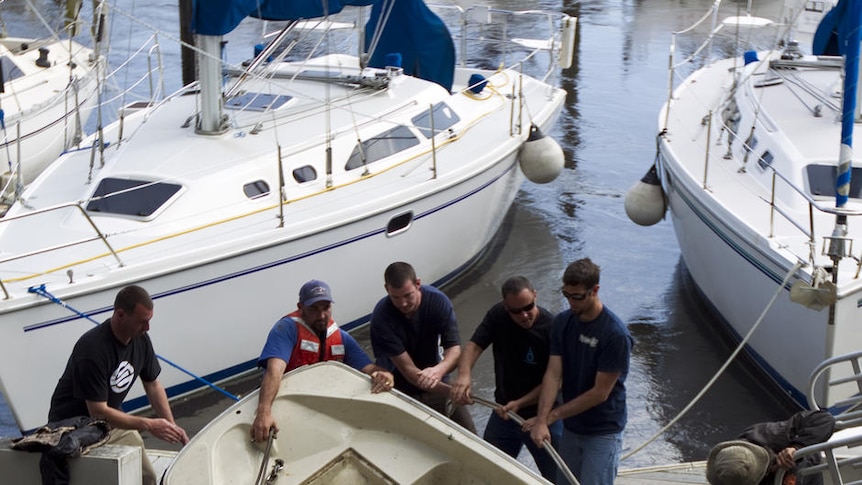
{"x":419,"y":35}
{"x":218,"y":17}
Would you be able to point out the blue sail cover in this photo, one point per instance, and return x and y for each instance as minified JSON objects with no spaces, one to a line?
{"x":418,"y":34}
{"x":218,"y":17}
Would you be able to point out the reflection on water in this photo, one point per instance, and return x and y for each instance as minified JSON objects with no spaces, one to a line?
{"x":607,"y":129}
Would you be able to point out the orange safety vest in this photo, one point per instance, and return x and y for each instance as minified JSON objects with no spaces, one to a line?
{"x":307,"y":347}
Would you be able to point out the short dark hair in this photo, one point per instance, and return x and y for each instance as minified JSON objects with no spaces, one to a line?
{"x":582,"y":272}
{"x":515,"y":285}
{"x":129,"y":297}
{"x":398,"y":274}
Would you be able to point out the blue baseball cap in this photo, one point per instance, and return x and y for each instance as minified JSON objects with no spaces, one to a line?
{"x":313,"y":292}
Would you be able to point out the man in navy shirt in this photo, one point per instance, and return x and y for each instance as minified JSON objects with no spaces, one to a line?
{"x":590,"y":352}
{"x":303,"y":337}
{"x":408,"y":327}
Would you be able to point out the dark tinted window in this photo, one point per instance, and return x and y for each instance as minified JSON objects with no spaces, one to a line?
{"x":305,"y":173}
{"x":255,"y":189}
{"x":130,"y":197}
{"x":444,"y":118}
{"x":821,"y":180}
{"x":381,"y":146}
{"x":765,"y":160}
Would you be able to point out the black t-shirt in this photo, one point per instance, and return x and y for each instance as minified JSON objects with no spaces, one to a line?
{"x":102,"y":369}
{"x":421,"y":336}
{"x":520,"y":355}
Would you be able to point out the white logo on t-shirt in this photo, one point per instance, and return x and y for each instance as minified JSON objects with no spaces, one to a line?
{"x":123,"y":377}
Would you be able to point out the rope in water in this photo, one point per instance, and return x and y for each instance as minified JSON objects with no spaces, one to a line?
{"x":41,"y":291}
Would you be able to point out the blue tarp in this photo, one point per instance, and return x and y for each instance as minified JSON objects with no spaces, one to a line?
{"x":419,"y":35}
{"x":412,"y":29}
{"x":218,"y":17}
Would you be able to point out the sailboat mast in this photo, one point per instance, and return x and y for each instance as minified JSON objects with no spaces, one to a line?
{"x":209,"y":63}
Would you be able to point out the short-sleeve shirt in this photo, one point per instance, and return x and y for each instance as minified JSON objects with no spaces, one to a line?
{"x":520,"y":354}
{"x":282,"y":339}
{"x":102,"y":369}
{"x":431,"y":326}
{"x":586,"y":348}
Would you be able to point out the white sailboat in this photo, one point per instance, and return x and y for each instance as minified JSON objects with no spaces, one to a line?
{"x":763,"y":190}
{"x":222,"y":199}
{"x":48,"y":89}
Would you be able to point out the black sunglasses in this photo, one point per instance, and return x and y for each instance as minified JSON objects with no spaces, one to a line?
{"x":525,"y":308}
{"x":575,"y":296}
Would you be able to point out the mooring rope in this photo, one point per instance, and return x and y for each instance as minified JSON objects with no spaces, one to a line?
{"x":547,"y":444}
{"x":41,"y":291}
{"x":724,"y":367}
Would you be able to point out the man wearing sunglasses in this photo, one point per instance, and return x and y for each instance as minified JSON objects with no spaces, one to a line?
{"x":519,"y":331}
{"x":589,"y":362}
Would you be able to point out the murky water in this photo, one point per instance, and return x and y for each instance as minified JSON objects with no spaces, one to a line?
{"x":607,"y":130}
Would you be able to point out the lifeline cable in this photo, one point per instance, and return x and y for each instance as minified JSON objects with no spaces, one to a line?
{"x":41,"y":291}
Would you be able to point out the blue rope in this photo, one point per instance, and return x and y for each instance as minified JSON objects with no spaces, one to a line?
{"x":41,"y":291}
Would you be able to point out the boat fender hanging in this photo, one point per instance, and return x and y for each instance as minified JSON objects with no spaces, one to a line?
{"x":541,"y":157}
{"x":43,"y":61}
{"x":645,"y":201}
{"x":477,"y":83}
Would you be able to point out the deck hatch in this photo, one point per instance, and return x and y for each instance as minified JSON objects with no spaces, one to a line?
{"x":256,"y":101}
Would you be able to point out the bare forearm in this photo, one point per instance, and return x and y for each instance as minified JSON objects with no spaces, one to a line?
{"x":268,"y":390}
{"x":159,"y":400}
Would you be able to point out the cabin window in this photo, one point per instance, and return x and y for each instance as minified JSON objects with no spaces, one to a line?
{"x":303,"y":174}
{"x":10,"y":70}
{"x":381,"y":146}
{"x":821,"y":180}
{"x":258,"y":188}
{"x":444,"y":118}
{"x":750,"y":143}
{"x":131,"y":197}
{"x":765,"y":160}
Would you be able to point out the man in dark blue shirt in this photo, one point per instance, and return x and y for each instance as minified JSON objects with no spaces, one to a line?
{"x":407,"y":329}
{"x":590,"y":352}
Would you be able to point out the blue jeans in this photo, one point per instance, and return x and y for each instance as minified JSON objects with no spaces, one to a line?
{"x":508,"y":437}
{"x":593,"y":459}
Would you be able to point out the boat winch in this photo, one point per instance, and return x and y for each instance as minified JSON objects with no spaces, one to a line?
{"x":645,"y":201}
{"x":541,"y":157}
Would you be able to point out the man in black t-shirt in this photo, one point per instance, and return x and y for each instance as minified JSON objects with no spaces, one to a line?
{"x":519,"y":331}
{"x":102,"y":368}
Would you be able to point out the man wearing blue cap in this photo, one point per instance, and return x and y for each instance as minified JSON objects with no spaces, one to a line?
{"x":306,"y":336}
